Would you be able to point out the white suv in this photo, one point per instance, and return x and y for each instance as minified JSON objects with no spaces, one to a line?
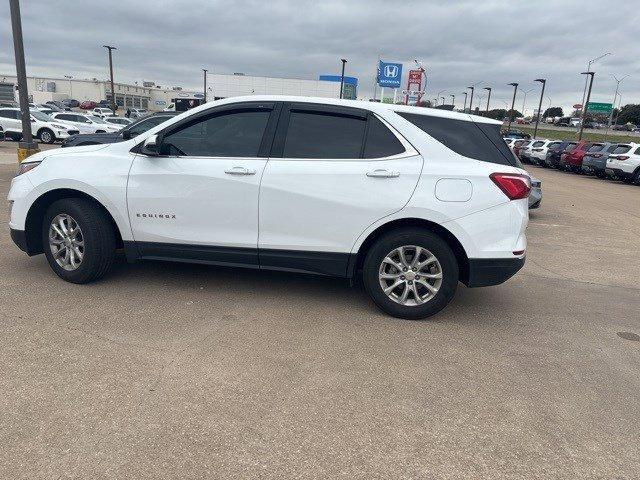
{"x":43,"y":126}
{"x":411,"y":199}
{"x":103,"y":112}
{"x":624,"y":162}
{"x":89,"y":123}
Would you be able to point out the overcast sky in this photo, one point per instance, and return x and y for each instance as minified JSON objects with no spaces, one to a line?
{"x":460,"y":43}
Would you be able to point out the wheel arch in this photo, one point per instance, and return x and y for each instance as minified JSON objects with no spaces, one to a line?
{"x":45,"y":128}
{"x":36,"y":213}
{"x":442,"y":232}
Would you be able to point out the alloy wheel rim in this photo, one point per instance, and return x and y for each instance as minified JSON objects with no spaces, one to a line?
{"x":410,"y":275}
{"x":66,"y":242}
{"x":46,"y":137}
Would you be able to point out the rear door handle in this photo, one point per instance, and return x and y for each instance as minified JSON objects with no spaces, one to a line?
{"x":240,"y":171}
{"x":381,"y":173}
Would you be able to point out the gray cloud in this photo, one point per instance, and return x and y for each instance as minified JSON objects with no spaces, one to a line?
{"x":460,"y":43}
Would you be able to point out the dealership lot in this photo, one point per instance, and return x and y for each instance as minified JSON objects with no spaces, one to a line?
{"x":170,"y":370}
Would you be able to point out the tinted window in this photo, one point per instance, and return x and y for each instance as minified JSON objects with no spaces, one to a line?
{"x":5,"y":114}
{"x":323,"y":135}
{"x":537,"y":144}
{"x":570,"y":146}
{"x":64,"y":116}
{"x":622,"y":149}
{"x":555,"y":146}
{"x":229,"y":134}
{"x":147,"y":124}
{"x":596,"y":147}
{"x":481,"y":141}
{"x":637,"y":152}
{"x":611,"y":148}
{"x":380,"y":142}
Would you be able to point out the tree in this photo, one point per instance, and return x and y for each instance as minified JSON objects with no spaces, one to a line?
{"x":501,"y":114}
{"x":629,"y":114}
{"x":553,"y":112}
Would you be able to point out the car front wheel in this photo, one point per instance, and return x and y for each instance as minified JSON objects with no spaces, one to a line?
{"x":78,"y":239}
{"x":410,"y":273}
{"x":47,"y":136}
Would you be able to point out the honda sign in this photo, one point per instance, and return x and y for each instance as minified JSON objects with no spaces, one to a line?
{"x":389,"y":74}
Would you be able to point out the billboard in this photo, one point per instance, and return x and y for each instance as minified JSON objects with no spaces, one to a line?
{"x":389,"y":74}
{"x":414,"y":86}
{"x":350,"y":88}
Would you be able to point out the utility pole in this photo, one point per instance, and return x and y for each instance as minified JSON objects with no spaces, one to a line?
{"x":113,"y":91}
{"x":464,"y":109}
{"x":26,"y":146}
{"x":344,"y":62}
{"x":615,"y":95}
{"x":543,"y":81}
{"x":204,"y":71}
{"x":472,"y":87}
{"x":513,"y":103}
{"x":584,"y":107}
{"x":488,"y":98}
{"x":69,"y":77}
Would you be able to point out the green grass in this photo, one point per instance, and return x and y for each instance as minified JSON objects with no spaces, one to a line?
{"x":571,"y":134}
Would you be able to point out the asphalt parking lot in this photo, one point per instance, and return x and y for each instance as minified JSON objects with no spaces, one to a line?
{"x":180,"y":371}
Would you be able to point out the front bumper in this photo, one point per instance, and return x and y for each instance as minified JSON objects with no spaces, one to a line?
{"x":484,"y":272}
{"x":19,"y":237}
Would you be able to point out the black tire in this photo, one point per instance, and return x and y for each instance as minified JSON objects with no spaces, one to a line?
{"x":636,"y":177}
{"x":46,"y":136}
{"x":418,"y":237}
{"x":97,"y":234}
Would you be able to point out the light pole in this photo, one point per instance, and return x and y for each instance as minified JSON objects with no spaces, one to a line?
{"x":204,"y":75}
{"x":113,"y":92}
{"x":453,"y":100}
{"x":488,"y":98}
{"x":513,"y":103}
{"x":443,"y":100}
{"x":543,"y":81}
{"x":524,"y":101}
{"x":69,"y":77}
{"x":464,"y":109}
{"x":584,"y":107}
{"x":438,"y":96}
{"x":344,"y":62}
{"x":26,"y":146}
{"x":472,"y":87}
{"x":591,"y":62}
{"x":615,"y":95}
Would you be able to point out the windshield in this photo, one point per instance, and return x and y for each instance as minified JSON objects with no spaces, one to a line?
{"x":43,"y":117}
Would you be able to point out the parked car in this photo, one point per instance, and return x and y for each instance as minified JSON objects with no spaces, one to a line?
{"x":42,"y":126}
{"x":126,"y":133}
{"x":514,"y":133}
{"x":411,"y":229}
{"x":56,"y":104}
{"x":138,"y":112}
{"x":571,"y":159}
{"x":554,"y":153}
{"x":624,"y":162}
{"x":71,"y":103}
{"x":517,"y":145}
{"x":563,"y":122}
{"x":595,"y":158}
{"x":9,"y":104}
{"x":525,"y":151}
{"x":88,"y":105}
{"x":104,"y":104}
{"x":102,"y":112}
{"x":535,"y":195}
{"x":626,"y":127}
{"x":122,"y":121}
{"x":92,"y":123}
{"x":539,"y":150}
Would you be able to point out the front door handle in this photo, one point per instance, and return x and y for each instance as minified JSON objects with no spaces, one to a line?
{"x":240,"y":171}
{"x":381,"y":173}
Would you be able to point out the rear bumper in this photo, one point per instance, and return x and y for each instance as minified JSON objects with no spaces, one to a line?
{"x":484,"y":272}
{"x":619,"y":173}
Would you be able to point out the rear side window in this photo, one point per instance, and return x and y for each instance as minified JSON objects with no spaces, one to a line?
{"x":612,"y":148}
{"x":637,"y":152}
{"x":380,"y":142}
{"x":480,"y":141}
{"x":596,"y":147}
{"x":622,"y":149}
{"x":323,"y":135}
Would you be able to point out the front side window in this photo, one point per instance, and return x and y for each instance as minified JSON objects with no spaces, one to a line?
{"x":227,"y":134}
{"x":146,"y":124}
{"x":324,"y":135}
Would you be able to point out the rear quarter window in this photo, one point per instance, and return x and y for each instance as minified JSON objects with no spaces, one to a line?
{"x":596,"y":147}
{"x":480,"y":141}
{"x":621,"y":149}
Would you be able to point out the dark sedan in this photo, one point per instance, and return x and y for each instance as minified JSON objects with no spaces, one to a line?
{"x":126,"y":133}
{"x":595,"y":160}
{"x":555,"y":152}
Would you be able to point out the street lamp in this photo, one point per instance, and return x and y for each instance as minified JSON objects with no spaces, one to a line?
{"x":584,"y":107}
{"x":543,"y":81}
{"x":472,"y":87}
{"x":513,"y":103}
{"x":524,"y":101}
{"x":464,"y":109}
{"x":615,"y":95}
{"x":591,"y":62}
{"x":204,"y":75}
{"x":453,"y":100}
{"x":344,"y":62}
{"x":69,"y":77}
{"x":438,"y":96}
{"x":113,"y":92}
{"x":489,"y":97}
{"x":443,"y":100}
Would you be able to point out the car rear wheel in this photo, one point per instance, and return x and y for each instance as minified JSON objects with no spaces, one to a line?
{"x":410,"y":273}
{"x":79,"y":240}
{"x":47,"y":136}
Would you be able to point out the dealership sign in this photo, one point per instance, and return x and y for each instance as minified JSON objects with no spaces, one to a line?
{"x":389,"y":74}
{"x":414,"y":86}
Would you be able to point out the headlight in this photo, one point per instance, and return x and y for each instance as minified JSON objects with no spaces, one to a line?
{"x":58,"y":126}
{"x":24,"y":167}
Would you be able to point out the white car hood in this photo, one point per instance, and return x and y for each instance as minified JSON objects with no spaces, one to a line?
{"x":40,"y":156}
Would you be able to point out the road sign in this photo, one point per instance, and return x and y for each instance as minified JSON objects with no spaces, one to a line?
{"x":389,"y":74}
{"x":599,"y":107}
{"x":577,"y":106}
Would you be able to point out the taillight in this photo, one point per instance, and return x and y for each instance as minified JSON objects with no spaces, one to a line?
{"x":514,"y":185}
{"x":622,"y":157}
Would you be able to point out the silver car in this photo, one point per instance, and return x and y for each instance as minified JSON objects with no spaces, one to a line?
{"x":535,"y":195}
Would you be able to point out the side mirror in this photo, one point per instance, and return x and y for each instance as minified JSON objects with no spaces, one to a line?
{"x":150,"y":146}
